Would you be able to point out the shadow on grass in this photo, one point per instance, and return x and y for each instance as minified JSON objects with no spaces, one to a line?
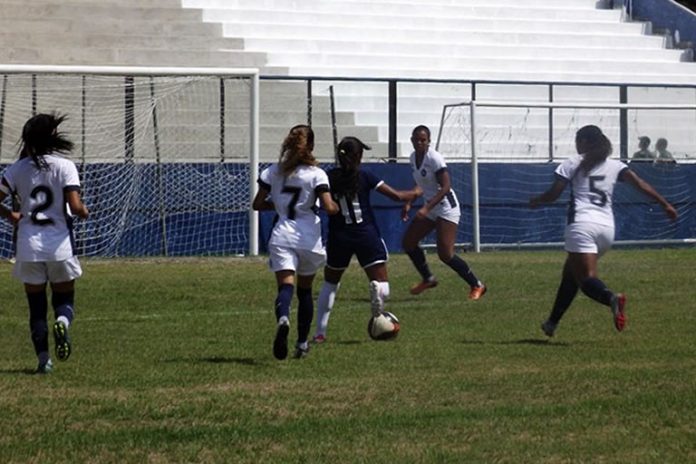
{"x":524,"y":341}
{"x":17,"y":371}
{"x":225,"y":360}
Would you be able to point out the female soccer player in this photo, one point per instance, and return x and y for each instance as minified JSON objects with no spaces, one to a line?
{"x":354,"y":231}
{"x":589,"y":232}
{"x":48,"y":188}
{"x":440,"y":212}
{"x":292,"y":187}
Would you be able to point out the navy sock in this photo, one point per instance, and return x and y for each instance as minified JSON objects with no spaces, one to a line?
{"x":63,"y":304}
{"x":462,"y":268}
{"x":283,"y":300}
{"x":38,"y":308}
{"x":418,"y":259}
{"x":597,"y":290}
{"x":564,"y":297}
{"x":305,"y":313}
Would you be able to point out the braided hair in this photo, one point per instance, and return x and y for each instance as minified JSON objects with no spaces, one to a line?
{"x":40,"y":137}
{"x":344,"y":180}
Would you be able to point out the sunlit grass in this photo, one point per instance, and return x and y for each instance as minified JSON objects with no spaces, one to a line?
{"x":172,"y":362}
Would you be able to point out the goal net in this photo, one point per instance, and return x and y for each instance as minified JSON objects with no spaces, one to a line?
{"x":167,"y":157}
{"x":503,"y":153}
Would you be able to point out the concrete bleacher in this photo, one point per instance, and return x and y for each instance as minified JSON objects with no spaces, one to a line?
{"x":506,"y":40}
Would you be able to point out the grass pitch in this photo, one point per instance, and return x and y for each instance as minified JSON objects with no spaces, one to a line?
{"x":172,"y":362}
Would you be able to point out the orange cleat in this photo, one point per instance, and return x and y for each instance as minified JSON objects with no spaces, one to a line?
{"x":618,"y":305}
{"x":477,"y":292}
{"x":420,"y":287}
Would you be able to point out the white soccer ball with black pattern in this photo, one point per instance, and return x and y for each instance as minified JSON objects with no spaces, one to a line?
{"x":383,"y":327}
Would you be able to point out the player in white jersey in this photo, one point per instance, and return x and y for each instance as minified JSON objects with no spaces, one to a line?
{"x":440,"y":212}
{"x":293,"y":188}
{"x":589,"y":232}
{"x":48,"y":189}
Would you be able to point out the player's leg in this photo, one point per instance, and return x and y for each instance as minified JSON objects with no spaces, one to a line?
{"x":283,"y":263}
{"x":565,"y":295}
{"x":326,"y":300}
{"x":310,"y":262}
{"x":38,"y":325}
{"x":417,"y":231}
{"x":373,"y":256}
{"x":446,"y":237}
{"x":33,"y":275}
{"x":62,"y":276}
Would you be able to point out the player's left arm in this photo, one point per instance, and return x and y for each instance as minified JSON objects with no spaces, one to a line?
{"x":632,"y":178}
{"x":550,"y":195}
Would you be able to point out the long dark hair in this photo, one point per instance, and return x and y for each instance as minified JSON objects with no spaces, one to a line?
{"x":344,"y":180}
{"x":598,"y":147}
{"x":297,"y":149}
{"x":40,"y":137}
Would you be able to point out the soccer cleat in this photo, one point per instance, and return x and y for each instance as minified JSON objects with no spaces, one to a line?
{"x":549,"y":328}
{"x":280,"y":344}
{"x":301,"y":351}
{"x":420,"y":287}
{"x":62,"y":340}
{"x":45,"y":368}
{"x":477,"y":292}
{"x":618,"y":305}
{"x":376,"y":300}
{"x":318,"y":339}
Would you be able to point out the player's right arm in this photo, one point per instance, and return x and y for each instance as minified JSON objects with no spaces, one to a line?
{"x":398,"y":195}
{"x":330,"y":206}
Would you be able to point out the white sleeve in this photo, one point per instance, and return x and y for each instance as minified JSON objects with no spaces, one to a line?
{"x":71,"y":178}
{"x":437,"y":160}
{"x":567,"y":168}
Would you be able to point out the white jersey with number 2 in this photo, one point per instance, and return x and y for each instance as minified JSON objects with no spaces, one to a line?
{"x":295,"y":199}
{"x":45,"y":231}
{"x":591,"y":193}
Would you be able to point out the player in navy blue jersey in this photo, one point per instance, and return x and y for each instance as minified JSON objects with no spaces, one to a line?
{"x":591,"y":175}
{"x":354,"y":231}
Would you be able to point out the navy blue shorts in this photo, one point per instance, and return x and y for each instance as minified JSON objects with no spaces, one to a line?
{"x":367,"y":245}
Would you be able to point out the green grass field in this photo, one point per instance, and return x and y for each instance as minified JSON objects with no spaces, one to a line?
{"x":172,"y":362}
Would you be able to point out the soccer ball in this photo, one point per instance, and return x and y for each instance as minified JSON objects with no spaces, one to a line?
{"x":383,"y":327}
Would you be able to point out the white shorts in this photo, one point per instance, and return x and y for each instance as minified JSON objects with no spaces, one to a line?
{"x":304,"y":262}
{"x":584,"y":237}
{"x":39,"y":272}
{"x":445,"y":211}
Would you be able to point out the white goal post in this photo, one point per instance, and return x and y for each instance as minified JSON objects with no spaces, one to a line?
{"x":517,"y":138}
{"x":169,"y":157}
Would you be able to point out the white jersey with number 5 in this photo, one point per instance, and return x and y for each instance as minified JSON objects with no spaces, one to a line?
{"x":295,"y":199}
{"x":45,"y":231}
{"x":591,"y":193}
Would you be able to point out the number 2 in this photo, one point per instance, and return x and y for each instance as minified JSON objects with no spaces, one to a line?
{"x":43,"y":206}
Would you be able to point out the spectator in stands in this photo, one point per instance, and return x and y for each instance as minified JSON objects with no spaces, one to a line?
{"x":354,"y":231}
{"x":48,"y":188}
{"x":589,"y":233}
{"x":440,"y":212}
{"x":662,"y":155}
{"x":643,"y":155}
{"x":293,"y":187}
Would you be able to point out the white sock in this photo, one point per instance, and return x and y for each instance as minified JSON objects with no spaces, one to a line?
{"x":325,"y":302}
{"x":64,"y":320}
{"x":384,"y":287}
{"x":284,"y":320}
